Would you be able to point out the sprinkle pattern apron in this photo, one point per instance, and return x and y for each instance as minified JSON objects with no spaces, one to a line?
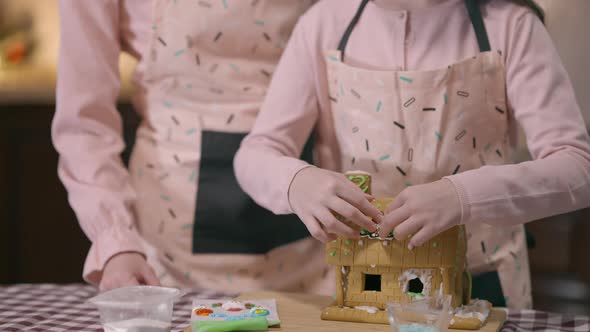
{"x":208,"y":67}
{"x":409,"y":128}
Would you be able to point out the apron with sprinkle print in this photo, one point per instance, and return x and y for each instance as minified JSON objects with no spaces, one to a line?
{"x":206,"y":73}
{"x":409,"y":128}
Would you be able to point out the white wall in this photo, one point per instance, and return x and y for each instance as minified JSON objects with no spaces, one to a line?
{"x":568,"y":24}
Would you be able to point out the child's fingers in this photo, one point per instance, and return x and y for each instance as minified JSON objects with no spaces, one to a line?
{"x":393,"y":219}
{"x":371,"y":211}
{"x":314,"y":228}
{"x":423,"y":235}
{"x":397,"y":202}
{"x":335,"y":226}
{"x":407,"y":227}
{"x":353,"y":195}
{"x":349,"y":212}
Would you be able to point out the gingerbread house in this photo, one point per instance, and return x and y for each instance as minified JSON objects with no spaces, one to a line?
{"x":373,"y":271}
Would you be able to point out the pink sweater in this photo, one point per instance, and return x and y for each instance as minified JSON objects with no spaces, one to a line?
{"x":539,"y":93}
{"x":87,"y":132}
{"x":87,"y":129}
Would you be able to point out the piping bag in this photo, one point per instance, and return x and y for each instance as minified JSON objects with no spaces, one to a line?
{"x":251,"y":324}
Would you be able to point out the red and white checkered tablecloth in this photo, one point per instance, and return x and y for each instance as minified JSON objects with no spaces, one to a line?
{"x":56,"y":308}
{"x":540,"y":321}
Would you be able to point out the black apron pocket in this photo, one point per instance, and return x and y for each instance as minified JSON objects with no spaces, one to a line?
{"x":227,"y":220}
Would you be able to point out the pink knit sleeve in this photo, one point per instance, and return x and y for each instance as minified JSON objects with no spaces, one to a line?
{"x":87,"y":130}
{"x":268,"y":158}
{"x":542,"y":101}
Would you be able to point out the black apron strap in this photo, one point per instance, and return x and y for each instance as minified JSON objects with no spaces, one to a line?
{"x":351,"y":25}
{"x":478,"y":25}
{"x":474,"y":15}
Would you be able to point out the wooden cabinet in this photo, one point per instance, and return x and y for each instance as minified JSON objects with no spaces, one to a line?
{"x":40,"y":238}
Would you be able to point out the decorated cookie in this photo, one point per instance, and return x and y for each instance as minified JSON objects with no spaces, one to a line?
{"x":259,"y":312}
{"x":202,"y":311}
{"x":209,"y":310}
{"x":233,"y":306}
{"x":361,"y":179}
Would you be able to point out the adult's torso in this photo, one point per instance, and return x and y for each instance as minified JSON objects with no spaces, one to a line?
{"x":211,"y":77}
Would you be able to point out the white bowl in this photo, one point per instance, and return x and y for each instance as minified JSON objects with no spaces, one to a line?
{"x":136,"y":308}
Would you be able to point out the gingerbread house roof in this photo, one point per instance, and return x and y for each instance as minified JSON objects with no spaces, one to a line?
{"x":443,"y":251}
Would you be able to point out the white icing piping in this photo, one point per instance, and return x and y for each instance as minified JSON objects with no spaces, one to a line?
{"x":344,"y":270}
{"x":476,"y":309}
{"x":375,"y":235}
{"x":425,"y":276}
{"x":357,"y":172}
{"x":369,"y":309}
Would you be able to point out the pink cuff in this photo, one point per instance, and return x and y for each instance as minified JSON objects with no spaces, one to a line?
{"x":109,"y":243}
{"x":463,"y":199}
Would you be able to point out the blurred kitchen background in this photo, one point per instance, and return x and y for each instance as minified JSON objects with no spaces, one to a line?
{"x":40,"y":239}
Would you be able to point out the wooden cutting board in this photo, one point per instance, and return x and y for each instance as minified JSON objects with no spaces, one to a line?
{"x":301,"y":312}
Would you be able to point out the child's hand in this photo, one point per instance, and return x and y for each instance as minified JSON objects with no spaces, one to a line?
{"x":127,"y":269}
{"x":316,"y":193}
{"x":423,"y":210}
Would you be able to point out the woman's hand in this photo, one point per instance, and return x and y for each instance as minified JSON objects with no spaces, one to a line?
{"x":127,"y":269}
{"x":316,"y":194}
{"x":423,"y":210}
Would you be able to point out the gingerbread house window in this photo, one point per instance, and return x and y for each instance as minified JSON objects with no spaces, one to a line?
{"x":415,"y":287}
{"x":372,"y":282}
